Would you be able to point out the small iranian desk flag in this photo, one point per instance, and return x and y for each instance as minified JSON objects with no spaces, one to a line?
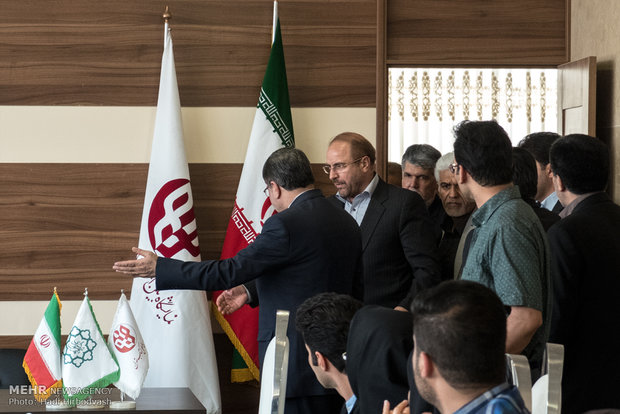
{"x":42,"y":359}
{"x":87,"y":363}
{"x":126,"y":342}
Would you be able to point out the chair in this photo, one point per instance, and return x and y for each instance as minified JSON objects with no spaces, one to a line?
{"x":547,"y":391}
{"x":275,"y":369}
{"x":11,"y":370}
{"x":520,"y":372}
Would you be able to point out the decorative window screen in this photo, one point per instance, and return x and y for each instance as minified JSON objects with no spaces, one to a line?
{"x":425,"y":104}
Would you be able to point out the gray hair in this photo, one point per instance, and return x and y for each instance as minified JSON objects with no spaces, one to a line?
{"x":423,"y":155}
{"x":443,"y":164}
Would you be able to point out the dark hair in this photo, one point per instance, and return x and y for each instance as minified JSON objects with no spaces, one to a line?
{"x":582,"y":162}
{"x":360,"y":146}
{"x":538,"y":144}
{"x":289,"y":168}
{"x":524,"y":172}
{"x":323,"y":321}
{"x":423,"y":155}
{"x":484,"y":150}
{"x":461,"y":325}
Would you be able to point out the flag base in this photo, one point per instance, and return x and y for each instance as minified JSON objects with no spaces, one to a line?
{"x":122,"y":405}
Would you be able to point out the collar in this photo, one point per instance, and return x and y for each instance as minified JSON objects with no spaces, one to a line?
{"x":480,"y":216}
{"x":550,"y":201}
{"x":370,"y":189}
{"x":568,"y":210}
{"x":483,"y":398}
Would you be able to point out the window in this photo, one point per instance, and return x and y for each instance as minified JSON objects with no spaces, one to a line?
{"x":424,"y":104}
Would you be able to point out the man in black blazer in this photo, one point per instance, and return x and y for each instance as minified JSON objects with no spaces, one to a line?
{"x":585,"y":256}
{"x":307,"y":248}
{"x":398,"y":238}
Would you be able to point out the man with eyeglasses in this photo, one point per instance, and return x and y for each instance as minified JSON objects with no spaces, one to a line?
{"x":507,"y":251}
{"x":307,"y":248}
{"x":398,"y":237}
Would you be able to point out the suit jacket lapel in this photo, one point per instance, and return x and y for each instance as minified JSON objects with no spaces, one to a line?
{"x":374,"y":212}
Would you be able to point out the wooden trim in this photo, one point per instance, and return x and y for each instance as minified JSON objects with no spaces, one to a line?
{"x":382,"y":92}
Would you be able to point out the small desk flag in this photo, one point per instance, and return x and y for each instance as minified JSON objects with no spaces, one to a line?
{"x":126,"y":342}
{"x":87,"y":363}
{"x":42,"y":359}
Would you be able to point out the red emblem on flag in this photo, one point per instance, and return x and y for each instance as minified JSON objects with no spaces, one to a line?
{"x":124,"y":341}
{"x":172,"y":223}
{"x":44,"y":341}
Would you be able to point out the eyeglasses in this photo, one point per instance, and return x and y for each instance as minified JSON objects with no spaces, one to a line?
{"x":454,"y":168}
{"x":266,"y":191}
{"x":339,"y":166}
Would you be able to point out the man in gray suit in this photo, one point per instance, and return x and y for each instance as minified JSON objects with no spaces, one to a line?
{"x":398,"y":238}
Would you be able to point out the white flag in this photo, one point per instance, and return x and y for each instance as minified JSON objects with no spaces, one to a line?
{"x":175,"y":324}
{"x":128,"y":346}
{"x":87,"y":363}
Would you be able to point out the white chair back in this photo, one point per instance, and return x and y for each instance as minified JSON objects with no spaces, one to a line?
{"x":275,"y":369}
{"x":521,"y":377}
{"x":547,"y":391}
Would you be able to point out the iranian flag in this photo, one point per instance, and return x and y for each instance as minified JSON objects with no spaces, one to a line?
{"x":42,"y":359}
{"x":175,"y":324}
{"x":272,"y":129}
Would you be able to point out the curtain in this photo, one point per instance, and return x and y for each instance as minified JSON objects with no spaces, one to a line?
{"x":425,"y":104}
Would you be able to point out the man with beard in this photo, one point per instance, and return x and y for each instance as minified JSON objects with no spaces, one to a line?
{"x":459,"y":334}
{"x":398,"y":240}
{"x":458,"y":210}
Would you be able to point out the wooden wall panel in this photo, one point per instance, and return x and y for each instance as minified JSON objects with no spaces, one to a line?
{"x":71,"y":52}
{"x":64,"y":225}
{"x":477,"y":32}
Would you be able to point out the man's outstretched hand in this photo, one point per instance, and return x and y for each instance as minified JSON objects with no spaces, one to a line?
{"x":231,"y":300}
{"x":144,"y":267}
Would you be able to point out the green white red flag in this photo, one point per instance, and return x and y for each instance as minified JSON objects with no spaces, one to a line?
{"x":42,"y":360}
{"x":272,"y":129}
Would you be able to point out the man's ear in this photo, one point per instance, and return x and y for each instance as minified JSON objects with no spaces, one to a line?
{"x":425,"y":365}
{"x":558,"y":184}
{"x":322,"y":362}
{"x":276,"y":190}
{"x":462,"y":175}
{"x":548,"y":171}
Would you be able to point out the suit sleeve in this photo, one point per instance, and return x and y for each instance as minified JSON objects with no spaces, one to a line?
{"x":417,"y":235}
{"x":269,"y":251}
{"x":565,"y":270}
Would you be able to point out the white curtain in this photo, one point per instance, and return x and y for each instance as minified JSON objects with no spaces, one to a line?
{"x":425,"y":104}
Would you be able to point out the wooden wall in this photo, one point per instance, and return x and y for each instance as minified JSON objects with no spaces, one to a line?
{"x":64,"y":225}
{"x":85,"y":52}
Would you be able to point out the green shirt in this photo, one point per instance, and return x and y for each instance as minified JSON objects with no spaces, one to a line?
{"x":510,"y":255}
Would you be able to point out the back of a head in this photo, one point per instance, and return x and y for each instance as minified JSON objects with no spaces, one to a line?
{"x":323,"y":321}
{"x":380,"y":341}
{"x":360,"y":146}
{"x":524,"y":172}
{"x":485,"y":151}
{"x":538,"y":144}
{"x":582,"y":162}
{"x":422,"y":155}
{"x":461,"y":325}
{"x":289,"y":168}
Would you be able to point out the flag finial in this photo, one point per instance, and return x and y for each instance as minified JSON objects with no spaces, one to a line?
{"x":122,"y":291}
{"x":55,"y":289}
{"x":85,"y":291}
{"x":167,"y":15}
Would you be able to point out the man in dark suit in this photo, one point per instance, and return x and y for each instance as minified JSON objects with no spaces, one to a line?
{"x":307,"y":248}
{"x":585,"y":256}
{"x":398,"y":239}
{"x":538,"y":144}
